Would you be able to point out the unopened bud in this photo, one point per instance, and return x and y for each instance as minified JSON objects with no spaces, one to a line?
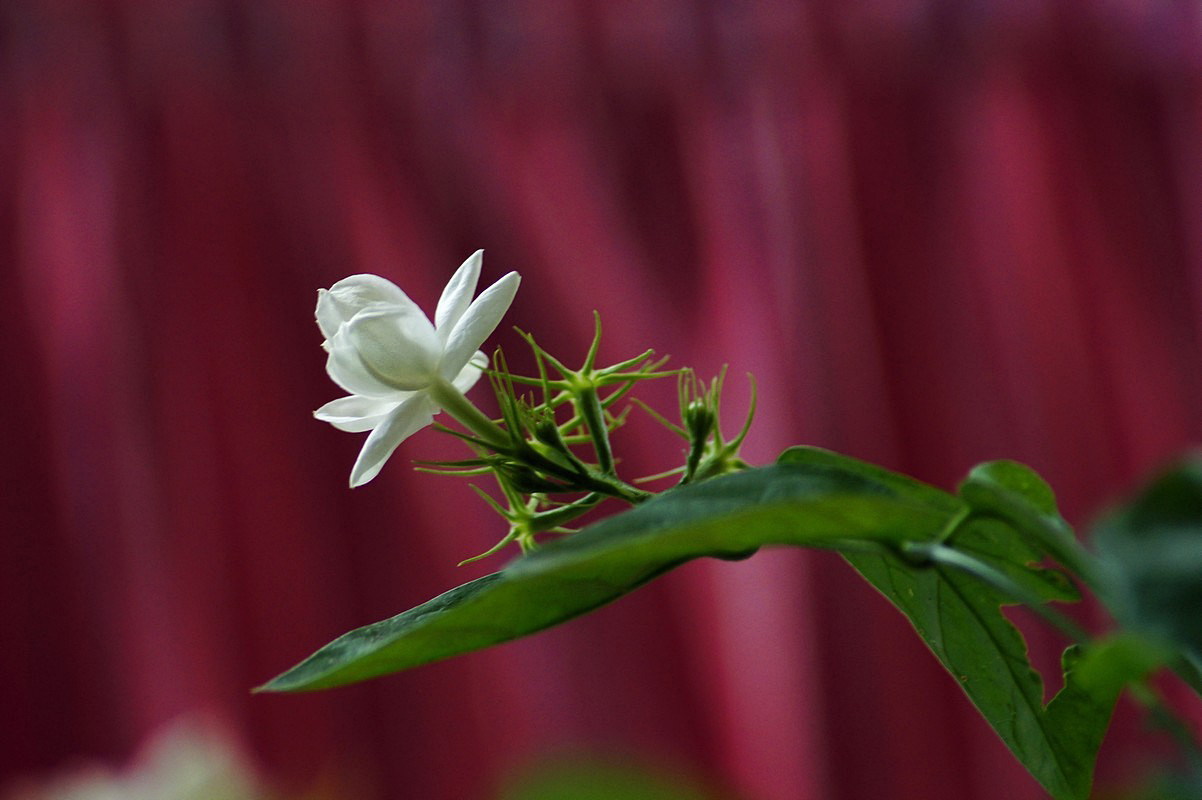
{"x":526,"y":480}
{"x":699,"y":420}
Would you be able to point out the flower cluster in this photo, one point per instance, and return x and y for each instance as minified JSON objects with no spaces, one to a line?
{"x":550,"y":450}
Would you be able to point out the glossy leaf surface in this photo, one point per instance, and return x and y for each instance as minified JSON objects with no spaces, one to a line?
{"x":729,"y":517}
{"x":948,"y":562}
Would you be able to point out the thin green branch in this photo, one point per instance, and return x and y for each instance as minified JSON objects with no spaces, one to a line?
{"x":938,"y":553}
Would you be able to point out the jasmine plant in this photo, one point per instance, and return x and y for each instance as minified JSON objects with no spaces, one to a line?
{"x":949,"y":561}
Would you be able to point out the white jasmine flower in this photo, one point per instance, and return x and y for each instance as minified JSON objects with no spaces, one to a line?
{"x":191,"y":759}
{"x":399,"y":368}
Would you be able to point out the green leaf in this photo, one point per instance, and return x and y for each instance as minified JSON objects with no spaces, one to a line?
{"x":1015,"y":494}
{"x":1094,"y":676}
{"x":728,"y":517}
{"x":1151,"y":550}
{"x":959,"y":617}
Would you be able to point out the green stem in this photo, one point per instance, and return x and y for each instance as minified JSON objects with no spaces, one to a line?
{"x":547,"y":520}
{"x":957,"y":559}
{"x":589,"y":480}
{"x":1063,"y":546}
{"x":608,"y":484}
{"x":1168,"y":720}
{"x":454,"y":403}
{"x":1058,"y":542}
{"x":962,"y":516}
{"x":594,"y":419}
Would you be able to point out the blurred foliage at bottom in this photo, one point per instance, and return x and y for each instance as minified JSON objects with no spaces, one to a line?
{"x":584,"y":777}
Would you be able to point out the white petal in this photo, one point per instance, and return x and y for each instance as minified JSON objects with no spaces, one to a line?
{"x":471,"y":372}
{"x":356,"y":414}
{"x":398,"y":345}
{"x":458,"y":294}
{"x":347,"y":369}
{"x":409,"y":417}
{"x":354,"y":294}
{"x":329,"y":317}
{"x":477,"y":324}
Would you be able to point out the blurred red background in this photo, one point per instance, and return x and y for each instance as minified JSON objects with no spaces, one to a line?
{"x":936,"y":232}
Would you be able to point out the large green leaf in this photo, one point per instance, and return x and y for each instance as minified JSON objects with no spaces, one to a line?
{"x":786,"y":504}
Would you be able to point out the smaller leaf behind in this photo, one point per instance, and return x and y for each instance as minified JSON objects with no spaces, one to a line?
{"x":1151,"y":551}
{"x":959,"y":617}
{"x":1017,"y":495}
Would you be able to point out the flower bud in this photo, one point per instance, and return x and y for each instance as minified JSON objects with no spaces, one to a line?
{"x":699,"y":420}
{"x":526,"y":480}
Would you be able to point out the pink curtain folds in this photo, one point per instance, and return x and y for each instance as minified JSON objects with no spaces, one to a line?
{"x":936,"y":233}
